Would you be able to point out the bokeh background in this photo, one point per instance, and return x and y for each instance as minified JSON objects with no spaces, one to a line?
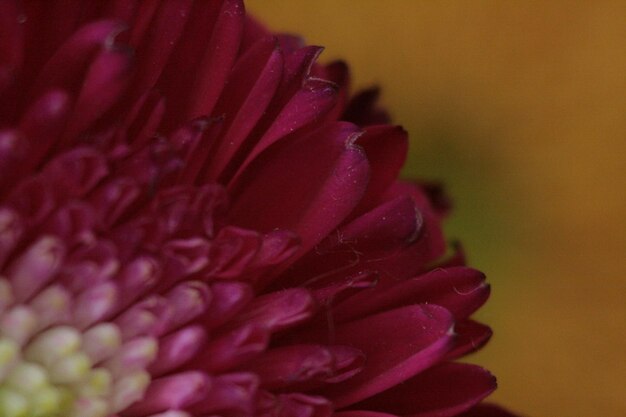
{"x":520,"y":108}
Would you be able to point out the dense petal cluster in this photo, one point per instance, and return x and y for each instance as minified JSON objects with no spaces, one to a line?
{"x":196,"y":219}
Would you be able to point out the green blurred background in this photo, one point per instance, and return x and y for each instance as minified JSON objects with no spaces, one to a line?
{"x":519,"y":107}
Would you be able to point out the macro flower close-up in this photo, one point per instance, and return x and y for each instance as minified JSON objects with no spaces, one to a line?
{"x":199,"y":219}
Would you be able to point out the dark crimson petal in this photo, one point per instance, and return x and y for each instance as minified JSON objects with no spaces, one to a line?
{"x":469,"y":337}
{"x":298,"y":66}
{"x":340,"y":289}
{"x":314,"y":98}
{"x":461,"y":290}
{"x":487,"y":410}
{"x":11,"y":230}
{"x":76,"y":172}
{"x":277,"y":247}
{"x":386,"y":148}
{"x":232,"y":252}
{"x":388,"y":227}
{"x":138,"y":15}
{"x":142,"y":120}
{"x":270,"y":194}
{"x":362,"y":414}
{"x":155,"y":35}
{"x":397,"y":344}
{"x":444,"y":390}
{"x":282,"y":367}
{"x":206,"y":53}
{"x":13,"y":155}
{"x":253,"y":31}
{"x":250,"y":88}
{"x":69,"y":63}
{"x":303,"y":366}
{"x":33,"y":199}
{"x":423,"y":253}
{"x":218,"y":57}
{"x":338,"y":73}
{"x":106,"y":78}
{"x":114,"y":198}
{"x":42,"y":124}
{"x":441,"y":202}
{"x":377,"y":234}
{"x":11,"y":42}
{"x":127,"y":128}
{"x":362,"y":109}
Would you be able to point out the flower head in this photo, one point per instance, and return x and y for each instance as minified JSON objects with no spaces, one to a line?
{"x":196,"y":219}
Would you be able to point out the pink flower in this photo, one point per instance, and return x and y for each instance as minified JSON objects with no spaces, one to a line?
{"x":188,"y":229}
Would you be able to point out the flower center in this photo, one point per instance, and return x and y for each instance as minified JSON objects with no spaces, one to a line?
{"x":59,"y":370}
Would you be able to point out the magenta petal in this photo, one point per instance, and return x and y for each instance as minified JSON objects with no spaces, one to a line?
{"x":94,"y":304}
{"x":270,"y":194}
{"x":229,"y":298}
{"x":442,"y":391}
{"x":137,"y":277}
{"x":279,"y":310}
{"x":397,"y":344}
{"x":294,"y":405}
{"x":189,"y":301}
{"x":232,"y":348}
{"x":461,"y":290}
{"x":37,"y":265}
{"x":230,"y":395}
{"x":177,"y":349}
{"x":300,"y":405}
{"x":233,"y":251}
{"x":178,"y":391}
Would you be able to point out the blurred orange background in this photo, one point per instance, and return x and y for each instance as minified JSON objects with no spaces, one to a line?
{"x":520,"y":108}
